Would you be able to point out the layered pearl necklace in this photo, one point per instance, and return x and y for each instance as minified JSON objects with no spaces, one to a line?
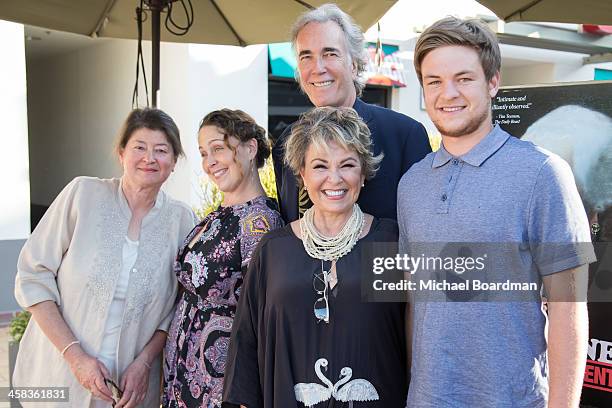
{"x":319,"y":246}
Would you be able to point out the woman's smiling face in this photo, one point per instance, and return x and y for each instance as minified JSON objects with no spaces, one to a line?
{"x":333,"y":176}
{"x":225,"y":162}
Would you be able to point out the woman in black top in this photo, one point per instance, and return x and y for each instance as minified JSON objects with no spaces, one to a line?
{"x":302,"y":336}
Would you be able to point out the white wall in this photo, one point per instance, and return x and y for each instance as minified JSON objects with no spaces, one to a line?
{"x":541,"y":73}
{"x":197,"y":79}
{"x":78,"y":100}
{"x":578,"y":72}
{"x":408,"y":100}
{"x":14,"y":183}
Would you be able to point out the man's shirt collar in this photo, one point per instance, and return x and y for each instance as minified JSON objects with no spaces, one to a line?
{"x":479,"y":153}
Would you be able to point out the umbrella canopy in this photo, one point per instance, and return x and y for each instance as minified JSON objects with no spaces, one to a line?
{"x":559,"y":11}
{"x":228,"y":22}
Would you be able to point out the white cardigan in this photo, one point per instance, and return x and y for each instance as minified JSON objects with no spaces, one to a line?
{"x":73,"y":257}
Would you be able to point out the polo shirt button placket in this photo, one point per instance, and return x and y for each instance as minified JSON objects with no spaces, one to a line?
{"x":453,"y":172}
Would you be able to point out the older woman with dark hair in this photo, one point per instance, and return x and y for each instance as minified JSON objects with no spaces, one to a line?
{"x":96,"y":274}
{"x":302,"y":336}
{"x":211,"y":264}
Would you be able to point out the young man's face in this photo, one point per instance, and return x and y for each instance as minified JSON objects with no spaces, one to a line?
{"x":457,"y":94}
{"x":324,"y":64}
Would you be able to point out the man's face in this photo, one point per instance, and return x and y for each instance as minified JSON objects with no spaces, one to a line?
{"x":457,"y":94}
{"x":324,"y":64}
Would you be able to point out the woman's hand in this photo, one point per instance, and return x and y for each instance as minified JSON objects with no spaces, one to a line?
{"x":89,"y":372}
{"x":134,"y":383}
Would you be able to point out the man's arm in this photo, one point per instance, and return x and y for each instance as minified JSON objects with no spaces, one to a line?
{"x":567,"y":335}
{"x":286,"y":184}
{"x":278,"y":152}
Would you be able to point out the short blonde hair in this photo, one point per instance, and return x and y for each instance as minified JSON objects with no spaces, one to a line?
{"x":323,"y":125}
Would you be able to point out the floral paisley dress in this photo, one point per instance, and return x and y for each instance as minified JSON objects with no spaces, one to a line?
{"x":210,"y":274}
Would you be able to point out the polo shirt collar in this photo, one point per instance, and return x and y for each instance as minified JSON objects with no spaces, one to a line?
{"x":441,"y":157}
{"x":479,"y":153}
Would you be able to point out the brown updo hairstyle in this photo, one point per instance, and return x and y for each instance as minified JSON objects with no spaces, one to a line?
{"x":154,"y":119}
{"x":243,"y":127}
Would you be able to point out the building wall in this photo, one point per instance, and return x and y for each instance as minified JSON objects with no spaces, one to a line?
{"x":578,"y":71}
{"x":14,"y":183}
{"x":528,"y":74}
{"x":77,"y":102}
{"x":545,"y":73}
{"x":408,"y":100}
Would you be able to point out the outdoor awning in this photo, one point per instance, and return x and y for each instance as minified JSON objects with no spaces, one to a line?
{"x":559,"y":11}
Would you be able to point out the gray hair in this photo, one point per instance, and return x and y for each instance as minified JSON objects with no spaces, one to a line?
{"x":352,"y":34}
{"x":323,"y":125}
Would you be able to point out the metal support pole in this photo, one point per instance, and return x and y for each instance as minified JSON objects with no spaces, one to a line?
{"x":156,"y":8}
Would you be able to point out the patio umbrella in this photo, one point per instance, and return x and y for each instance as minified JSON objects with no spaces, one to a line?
{"x":559,"y":11}
{"x":227,"y":22}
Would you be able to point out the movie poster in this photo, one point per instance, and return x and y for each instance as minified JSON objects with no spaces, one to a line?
{"x":575,"y":121}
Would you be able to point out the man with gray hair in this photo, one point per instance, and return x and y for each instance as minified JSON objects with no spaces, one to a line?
{"x":496,"y":347}
{"x":329,"y":48}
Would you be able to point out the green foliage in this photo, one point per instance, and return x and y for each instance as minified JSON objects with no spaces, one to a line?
{"x":18,"y":325}
{"x":212,"y":197}
{"x":434,"y":141}
{"x":268,"y":180}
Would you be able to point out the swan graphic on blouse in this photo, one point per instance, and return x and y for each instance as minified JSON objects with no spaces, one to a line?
{"x":311,"y":394}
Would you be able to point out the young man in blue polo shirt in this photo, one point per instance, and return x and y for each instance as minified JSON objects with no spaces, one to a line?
{"x":485,"y":186}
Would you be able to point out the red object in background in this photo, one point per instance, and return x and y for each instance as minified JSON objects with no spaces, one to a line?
{"x":597,"y":29}
{"x":384,"y":80}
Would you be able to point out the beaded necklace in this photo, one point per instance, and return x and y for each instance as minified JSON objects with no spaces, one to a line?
{"x":333,"y":248}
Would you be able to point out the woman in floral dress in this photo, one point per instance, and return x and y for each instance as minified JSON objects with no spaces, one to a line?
{"x":211,"y":264}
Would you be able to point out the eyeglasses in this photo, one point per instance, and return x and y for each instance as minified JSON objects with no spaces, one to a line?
{"x":114,"y":389}
{"x":320,"y":284}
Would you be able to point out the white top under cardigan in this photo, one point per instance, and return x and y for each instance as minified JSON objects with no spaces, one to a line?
{"x":112,"y":329}
{"x":74,"y":258}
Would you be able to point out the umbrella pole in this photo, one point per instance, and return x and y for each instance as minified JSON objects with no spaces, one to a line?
{"x":156,"y":7}
{"x":155,"y":40}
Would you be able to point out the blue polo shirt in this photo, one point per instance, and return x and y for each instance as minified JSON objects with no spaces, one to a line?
{"x":505,"y":190}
